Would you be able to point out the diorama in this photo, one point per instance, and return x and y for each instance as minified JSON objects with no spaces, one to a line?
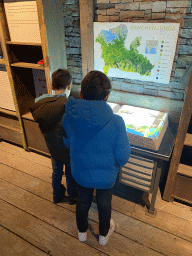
{"x":145,"y":127}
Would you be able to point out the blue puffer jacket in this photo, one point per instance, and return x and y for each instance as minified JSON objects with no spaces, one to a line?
{"x":97,"y":140}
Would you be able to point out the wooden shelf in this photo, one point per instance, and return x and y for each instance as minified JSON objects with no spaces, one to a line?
{"x":188,"y":140}
{"x":185,"y":170}
{"x":22,"y":43}
{"x":27,"y":65}
{"x":28,"y":116}
{"x":2,"y":62}
{"x":8,"y":112}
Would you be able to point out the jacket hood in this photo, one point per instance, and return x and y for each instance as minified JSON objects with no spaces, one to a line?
{"x":86,"y":115}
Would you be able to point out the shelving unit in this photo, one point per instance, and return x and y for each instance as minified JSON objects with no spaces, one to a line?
{"x":10,"y":119}
{"x":179,"y":180}
{"x":25,"y":40}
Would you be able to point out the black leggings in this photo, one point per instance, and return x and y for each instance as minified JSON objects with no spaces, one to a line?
{"x":84,"y":200}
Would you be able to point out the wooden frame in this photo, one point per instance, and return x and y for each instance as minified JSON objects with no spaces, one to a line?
{"x":87,"y":48}
{"x":179,"y":143}
{"x":173,"y":107}
{"x":87,"y":37}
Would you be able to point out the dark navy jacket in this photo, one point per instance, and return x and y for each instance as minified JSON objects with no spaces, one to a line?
{"x":48,"y":113}
{"x":97,"y":140}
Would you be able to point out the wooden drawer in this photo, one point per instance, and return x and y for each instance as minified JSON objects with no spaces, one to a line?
{"x":10,"y":127}
{"x":11,"y":122}
{"x":183,"y":188}
{"x":9,"y":134}
{"x":34,"y":136}
{"x":138,"y":173}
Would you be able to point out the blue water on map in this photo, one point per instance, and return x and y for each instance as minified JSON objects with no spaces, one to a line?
{"x":129,"y":130}
{"x":152,"y":50}
{"x":109,"y":36}
{"x":146,"y":50}
{"x":155,"y":134}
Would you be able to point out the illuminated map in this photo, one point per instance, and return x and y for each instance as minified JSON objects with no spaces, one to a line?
{"x":145,"y":127}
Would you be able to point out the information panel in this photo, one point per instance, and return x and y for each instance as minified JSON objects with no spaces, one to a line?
{"x":22,"y":21}
{"x":141,"y":51}
{"x":6,"y":98}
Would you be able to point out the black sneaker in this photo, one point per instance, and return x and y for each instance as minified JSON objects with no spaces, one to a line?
{"x":57,"y":199}
{"x":72,"y":201}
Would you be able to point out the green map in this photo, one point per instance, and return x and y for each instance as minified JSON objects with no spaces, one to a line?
{"x":116,"y":55}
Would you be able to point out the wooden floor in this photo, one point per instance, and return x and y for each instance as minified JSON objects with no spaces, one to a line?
{"x":30,"y":224}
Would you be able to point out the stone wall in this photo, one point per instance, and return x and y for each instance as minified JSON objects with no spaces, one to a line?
{"x":133,"y":11}
{"x":73,"y":39}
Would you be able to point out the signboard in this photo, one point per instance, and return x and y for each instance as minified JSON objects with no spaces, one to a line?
{"x":141,"y":51}
{"x":6,"y":98}
{"x":22,"y":21}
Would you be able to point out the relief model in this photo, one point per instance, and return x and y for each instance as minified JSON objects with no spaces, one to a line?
{"x":145,"y":127}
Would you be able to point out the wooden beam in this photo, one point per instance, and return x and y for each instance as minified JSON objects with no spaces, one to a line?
{"x":87,"y":37}
{"x":44,"y":43}
{"x":188,"y":140}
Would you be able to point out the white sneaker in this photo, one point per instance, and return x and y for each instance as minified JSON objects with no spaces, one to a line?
{"x":82,"y":236}
{"x":104,"y":239}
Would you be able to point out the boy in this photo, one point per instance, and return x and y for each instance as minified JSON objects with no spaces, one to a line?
{"x":99,"y":145}
{"x":48,"y":111}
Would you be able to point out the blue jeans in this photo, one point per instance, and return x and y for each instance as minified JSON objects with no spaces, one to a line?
{"x":57,"y":177}
{"x":84,"y":200}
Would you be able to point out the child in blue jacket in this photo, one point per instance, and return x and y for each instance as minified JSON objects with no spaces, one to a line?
{"x":98,"y":145}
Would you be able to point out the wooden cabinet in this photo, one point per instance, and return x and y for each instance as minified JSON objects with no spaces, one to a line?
{"x":179,"y":180}
{"x":26,"y":39}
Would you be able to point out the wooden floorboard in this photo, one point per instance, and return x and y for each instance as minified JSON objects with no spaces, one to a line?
{"x":13,"y":245}
{"x":64,"y":219}
{"x":174,"y":208}
{"x":28,"y":213}
{"x":19,"y":151}
{"x":40,"y":234}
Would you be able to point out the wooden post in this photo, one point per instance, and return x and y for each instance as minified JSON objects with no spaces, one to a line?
{"x":4,"y":36}
{"x":87,"y":36}
{"x":179,"y":143}
{"x":44,"y":44}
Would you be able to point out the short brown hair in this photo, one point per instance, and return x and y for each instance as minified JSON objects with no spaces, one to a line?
{"x":95,"y":86}
{"x":61,"y":78}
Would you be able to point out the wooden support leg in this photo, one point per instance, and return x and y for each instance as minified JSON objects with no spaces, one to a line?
{"x":151,"y":211}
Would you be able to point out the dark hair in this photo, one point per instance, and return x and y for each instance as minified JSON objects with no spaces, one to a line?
{"x":95,"y":86}
{"x":61,"y":78}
